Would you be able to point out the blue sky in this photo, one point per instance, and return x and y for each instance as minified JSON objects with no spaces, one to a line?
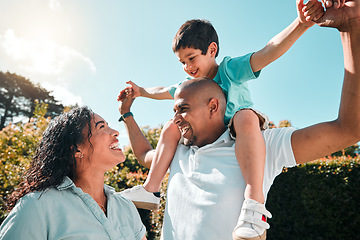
{"x":85,"y":51}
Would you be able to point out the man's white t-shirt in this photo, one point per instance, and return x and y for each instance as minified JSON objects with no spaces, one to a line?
{"x":206,"y":188}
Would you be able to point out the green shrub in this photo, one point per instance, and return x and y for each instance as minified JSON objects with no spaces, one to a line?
{"x":318,"y":200}
{"x":17,"y":145}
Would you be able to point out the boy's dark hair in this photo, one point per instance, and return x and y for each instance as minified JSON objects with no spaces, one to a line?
{"x":196,"y":33}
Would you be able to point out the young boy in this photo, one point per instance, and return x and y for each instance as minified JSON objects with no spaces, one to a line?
{"x":196,"y":46}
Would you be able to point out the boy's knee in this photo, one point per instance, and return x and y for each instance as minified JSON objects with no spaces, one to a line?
{"x":246,"y":118}
{"x":170,"y":128}
{"x":170,"y":125}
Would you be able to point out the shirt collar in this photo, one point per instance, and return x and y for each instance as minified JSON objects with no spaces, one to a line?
{"x":67,"y":183}
{"x":223,"y":139}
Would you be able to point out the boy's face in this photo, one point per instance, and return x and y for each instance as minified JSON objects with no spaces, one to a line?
{"x":196,"y":64}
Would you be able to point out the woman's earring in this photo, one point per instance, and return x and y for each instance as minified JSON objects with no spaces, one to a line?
{"x":79,"y":155}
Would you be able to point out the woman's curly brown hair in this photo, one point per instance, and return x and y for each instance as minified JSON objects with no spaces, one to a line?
{"x":55,"y":156}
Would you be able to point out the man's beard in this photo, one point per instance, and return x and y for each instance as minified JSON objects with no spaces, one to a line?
{"x":190,"y":142}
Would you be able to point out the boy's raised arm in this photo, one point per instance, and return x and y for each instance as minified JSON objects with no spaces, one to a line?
{"x":158,"y":93}
{"x":325,"y":138}
{"x":281,"y":43}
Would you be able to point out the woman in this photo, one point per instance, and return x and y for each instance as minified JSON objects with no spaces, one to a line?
{"x":63,"y":195}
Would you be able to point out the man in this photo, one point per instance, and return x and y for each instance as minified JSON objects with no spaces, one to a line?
{"x":205,"y":183}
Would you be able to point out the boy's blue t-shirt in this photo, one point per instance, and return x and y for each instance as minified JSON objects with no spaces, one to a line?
{"x":232,"y":77}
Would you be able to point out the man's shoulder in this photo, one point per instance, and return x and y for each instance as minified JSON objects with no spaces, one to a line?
{"x":277,"y":133}
{"x":278,"y":146}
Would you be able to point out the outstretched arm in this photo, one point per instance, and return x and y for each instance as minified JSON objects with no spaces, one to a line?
{"x":139,"y":144}
{"x":158,"y":93}
{"x":281,"y":43}
{"x":325,"y":138}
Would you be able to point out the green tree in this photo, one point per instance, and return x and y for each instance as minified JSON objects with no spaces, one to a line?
{"x":284,"y":123}
{"x":18,"y":95}
{"x":17,"y":146}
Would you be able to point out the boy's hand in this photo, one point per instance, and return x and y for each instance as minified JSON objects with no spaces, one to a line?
{"x":135,"y":89}
{"x":309,"y":12}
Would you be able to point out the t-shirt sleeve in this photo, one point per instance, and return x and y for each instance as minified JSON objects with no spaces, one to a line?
{"x":279,"y":153}
{"x":172,"y":88}
{"x":238,"y":69}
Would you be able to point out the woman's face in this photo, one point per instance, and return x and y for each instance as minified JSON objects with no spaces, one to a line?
{"x":105,"y":152}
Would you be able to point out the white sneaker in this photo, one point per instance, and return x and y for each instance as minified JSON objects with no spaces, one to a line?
{"x":252,"y":223}
{"x":142,"y":198}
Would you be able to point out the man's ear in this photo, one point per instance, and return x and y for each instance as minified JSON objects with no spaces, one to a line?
{"x":212,"y":49}
{"x":213,"y":106}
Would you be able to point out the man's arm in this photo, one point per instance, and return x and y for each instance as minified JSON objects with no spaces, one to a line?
{"x":325,"y":138}
{"x":140,"y":145}
{"x":282,"y":42}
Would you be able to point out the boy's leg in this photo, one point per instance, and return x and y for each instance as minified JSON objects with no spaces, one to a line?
{"x":147,"y":196}
{"x":164,"y":153}
{"x":250,"y":152}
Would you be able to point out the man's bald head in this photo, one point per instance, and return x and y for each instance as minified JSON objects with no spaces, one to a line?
{"x":203,"y":89}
